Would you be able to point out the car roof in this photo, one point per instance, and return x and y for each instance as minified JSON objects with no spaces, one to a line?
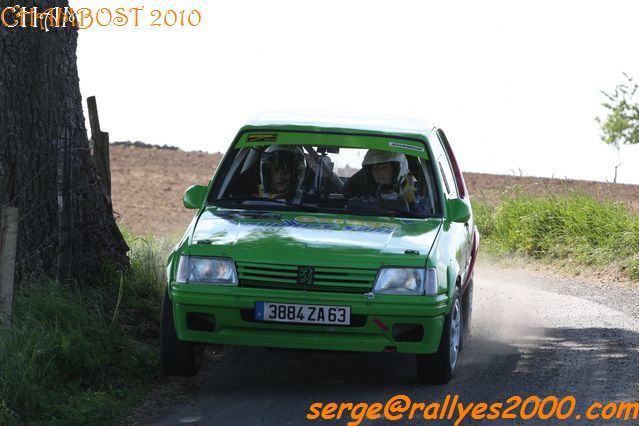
{"x":344,"y":122}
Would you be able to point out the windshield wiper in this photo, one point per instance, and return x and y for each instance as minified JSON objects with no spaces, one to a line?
{"x":271,"y":200}
{"x":379,"y":209}
{"x":250,"y":214}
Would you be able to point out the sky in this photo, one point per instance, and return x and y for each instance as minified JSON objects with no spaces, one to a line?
{"x":514,"y":84}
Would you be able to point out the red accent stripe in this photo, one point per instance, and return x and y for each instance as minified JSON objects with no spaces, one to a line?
{"x":380,"y":324}
{"x":473,"y":251}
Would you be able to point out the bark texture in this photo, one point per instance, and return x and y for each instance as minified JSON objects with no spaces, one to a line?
{"x":40,"y":106}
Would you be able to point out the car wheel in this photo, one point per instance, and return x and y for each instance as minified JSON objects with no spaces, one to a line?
{"x":178,"y":358}
{"x":438,"y":368}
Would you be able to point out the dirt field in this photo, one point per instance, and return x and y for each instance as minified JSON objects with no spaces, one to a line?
{"x":148,"y":183}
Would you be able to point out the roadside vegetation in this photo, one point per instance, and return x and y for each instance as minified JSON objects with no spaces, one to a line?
{"x":84,"y":356}
{"x":575,"y":229}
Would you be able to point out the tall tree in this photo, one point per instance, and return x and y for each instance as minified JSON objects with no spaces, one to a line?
{"x":621,"y":126}
{"x":40,"y":112}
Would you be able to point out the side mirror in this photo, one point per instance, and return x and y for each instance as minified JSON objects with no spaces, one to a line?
{"x":194,"y":196}
{"x":458,"y":210}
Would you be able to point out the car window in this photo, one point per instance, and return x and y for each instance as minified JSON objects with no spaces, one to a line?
{"x":335,"y":179}
{"x":449,"y":178}
{"x":459,"y":179}
{"x":445,"y":171}
{"x":431,"y":185}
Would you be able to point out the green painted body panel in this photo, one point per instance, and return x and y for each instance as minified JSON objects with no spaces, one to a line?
{"x":345,"y":250}
{"x":194,"y":196}
{"x":301,"y":238}
{"x":226,"y":304}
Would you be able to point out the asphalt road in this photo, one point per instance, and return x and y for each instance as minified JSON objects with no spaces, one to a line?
{"x":533,"y":334}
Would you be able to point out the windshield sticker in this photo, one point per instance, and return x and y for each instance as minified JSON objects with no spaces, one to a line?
{"x":406,"y":146}
{"x":262,"y":137}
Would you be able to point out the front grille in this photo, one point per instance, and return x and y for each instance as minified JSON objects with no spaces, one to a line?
{"x":289,"y":277}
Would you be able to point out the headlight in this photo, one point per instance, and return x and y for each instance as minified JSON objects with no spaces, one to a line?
{"x":407,"y":281}
{"x":206,"y":270}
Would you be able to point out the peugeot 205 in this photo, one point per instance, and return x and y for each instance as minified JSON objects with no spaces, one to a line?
{"x":326,"y":236}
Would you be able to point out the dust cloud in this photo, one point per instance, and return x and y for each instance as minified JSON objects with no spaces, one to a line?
{"x":505,"y":317}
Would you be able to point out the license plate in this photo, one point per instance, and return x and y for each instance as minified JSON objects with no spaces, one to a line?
{"x":302,"y":314}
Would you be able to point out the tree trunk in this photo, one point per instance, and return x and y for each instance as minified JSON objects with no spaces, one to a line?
{"x":618,"y":150}
{"x":40,"y":109}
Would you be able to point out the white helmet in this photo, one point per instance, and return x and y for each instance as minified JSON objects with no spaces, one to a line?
{"x":283,"y":157}
{"x":374,"y":156}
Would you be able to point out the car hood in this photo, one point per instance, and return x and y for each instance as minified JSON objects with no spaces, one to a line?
{"x":315,"y":238}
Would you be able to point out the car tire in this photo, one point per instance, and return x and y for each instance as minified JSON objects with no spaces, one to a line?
{"x":178,"y":358}
{"x":439,"y":368}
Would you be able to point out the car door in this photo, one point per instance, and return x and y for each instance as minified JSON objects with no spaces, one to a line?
{"x":462,"y":193}
{"x":456,"y":231}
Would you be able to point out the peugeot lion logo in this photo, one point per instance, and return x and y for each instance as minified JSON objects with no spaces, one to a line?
{"x":305,"y":275}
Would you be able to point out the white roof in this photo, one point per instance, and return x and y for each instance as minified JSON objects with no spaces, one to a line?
{"x":343,"y":121}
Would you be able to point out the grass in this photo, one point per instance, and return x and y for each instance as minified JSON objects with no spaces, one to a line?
{"x":575,"y":228}
{"x":81,"y":356}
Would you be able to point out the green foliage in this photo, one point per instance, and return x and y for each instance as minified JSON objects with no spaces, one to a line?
{"x":141,"y":294}
{"x":576,"y":228}
{"x":633,"y":268}
{"x":621,"y":126}
{"x":76,"y":356}
{"x":483,"y":215}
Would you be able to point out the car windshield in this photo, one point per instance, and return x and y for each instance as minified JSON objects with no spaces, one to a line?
{"x":331,"y":179}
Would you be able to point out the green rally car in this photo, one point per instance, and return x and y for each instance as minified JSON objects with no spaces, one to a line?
{"x":326,"y":235}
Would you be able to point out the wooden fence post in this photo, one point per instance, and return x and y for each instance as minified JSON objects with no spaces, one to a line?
{"x":100,"y":146}
{"x":8,"y":241}
{"x":63,"y":261}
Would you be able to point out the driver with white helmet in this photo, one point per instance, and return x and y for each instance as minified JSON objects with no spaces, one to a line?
{"x":390,"y":182}
{"x":282,"y":172}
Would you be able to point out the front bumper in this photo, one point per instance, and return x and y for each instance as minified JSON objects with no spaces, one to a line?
{"x":375,"y":325}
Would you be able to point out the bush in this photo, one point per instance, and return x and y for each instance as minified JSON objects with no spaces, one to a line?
{"x":78,"y":355}
{"x":140,"y":290}
{"x":576,"y":227}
